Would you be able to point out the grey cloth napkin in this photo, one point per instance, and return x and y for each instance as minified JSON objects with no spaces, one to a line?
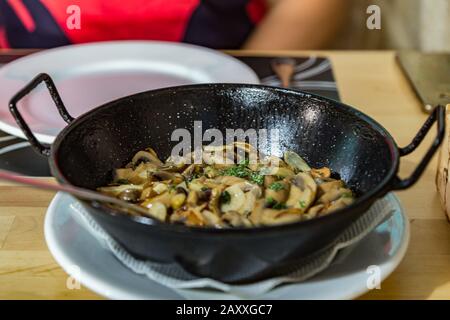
{"x":173,"y":276}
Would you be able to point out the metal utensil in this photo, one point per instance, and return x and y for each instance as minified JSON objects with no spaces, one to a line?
{"x":429,"y":75}
{"x":82,"y":193}
{"x":284,"y":68}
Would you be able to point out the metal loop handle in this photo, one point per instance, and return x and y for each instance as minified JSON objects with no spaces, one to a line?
{"x":438,"y":115}
{"x":42,"y":77}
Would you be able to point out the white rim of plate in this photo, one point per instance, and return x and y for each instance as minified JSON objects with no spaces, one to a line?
{"x":109,"y":291}
{"x":13,"y":129}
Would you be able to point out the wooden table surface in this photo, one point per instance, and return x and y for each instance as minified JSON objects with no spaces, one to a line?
{"x":373,"y":82}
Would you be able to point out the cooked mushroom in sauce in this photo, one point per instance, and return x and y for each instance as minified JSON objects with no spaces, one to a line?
{"x":222,"y":193}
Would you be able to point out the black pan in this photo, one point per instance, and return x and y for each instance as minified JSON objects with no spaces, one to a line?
{"x":323,"y":131}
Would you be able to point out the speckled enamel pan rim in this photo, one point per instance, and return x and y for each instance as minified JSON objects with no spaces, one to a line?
{"x":382,"y":188}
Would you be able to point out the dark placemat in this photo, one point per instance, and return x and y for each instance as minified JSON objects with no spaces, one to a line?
{"x":17,"y":155}
{"x":314,"y":75}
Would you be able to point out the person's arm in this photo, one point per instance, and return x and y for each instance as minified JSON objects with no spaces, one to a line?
{"x":298,"y":24}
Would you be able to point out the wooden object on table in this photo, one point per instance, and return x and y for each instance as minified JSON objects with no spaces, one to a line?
{"x":429,"y":75}
{"x":442,"y":176}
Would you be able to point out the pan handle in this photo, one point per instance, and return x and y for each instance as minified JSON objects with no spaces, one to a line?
{"x":42,"y":77}
{"x":438,"y":115}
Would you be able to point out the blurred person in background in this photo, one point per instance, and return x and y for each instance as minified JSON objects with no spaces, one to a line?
{"x":221,"y":24}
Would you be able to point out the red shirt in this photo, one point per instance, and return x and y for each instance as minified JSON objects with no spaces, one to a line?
{"x":50,"y":23}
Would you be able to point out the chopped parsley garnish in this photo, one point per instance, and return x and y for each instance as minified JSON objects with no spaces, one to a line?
{"x":279,"y":206}
{"x":244,"y":162}
{"x":302,"y":204}
{"x":241,"y":171}
{"x":276,"y":186}
{"x":257,"y":178}
{"x":270,"y":202}
{"x":347,"y":195}
{"x":225,"y":197}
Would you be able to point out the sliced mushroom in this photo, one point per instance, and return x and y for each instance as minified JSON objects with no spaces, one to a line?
{"x":211,"y":172}
{"x":256,"y":215}
{"x":277,"y":191}
{"x":246,"y":147}
{"x":204,"y":194}
{"x":268,"y":180}
{"x":247,"y":187}
{"x":321,"y":173}
{"x":177,"y":201}
{"x":123,"y":174}
{"x":130,"y":195}
{"x":115,"y":190}
{"x":229,"y":180}
{"x":214,"y":201}
{"x":212,"y":219}
{"x":219,"y":156}
{"x":146,"y":157}
{"x":273,"y":217}
{"x":157,"y":210}
{"x":235,"y":219}
{"x":295,"y":162}
{"x":249,"y":204}
{"x":163,"y":198}
{"x":196,"y":185}
{"x":212,"y":183}
{"x":314,"y":211}
{"x":218,"y":196}
{"x":237,"y":199}
{"x":173,"y":166}
{"x":340,"y":203}
{"x":273,"y":161}
{"x":190,"y":216}
{"x":160,"y":187}
{"x":189,"y":171}
{"x":192,"y":198}
{"x":281,"y":172}
{"x":242,"y":197}
{"x":148,"y":192}
{"x":334,"y":194}
{"x":182,"y":186}
{"x":328,"y":186}
{"x":166,"y":176}
{"x":178,"y":163}
{"x":141,"y":173}
{"x":254,"y":166}
{"x":152,"y":152}
{"x":303,"y":191}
